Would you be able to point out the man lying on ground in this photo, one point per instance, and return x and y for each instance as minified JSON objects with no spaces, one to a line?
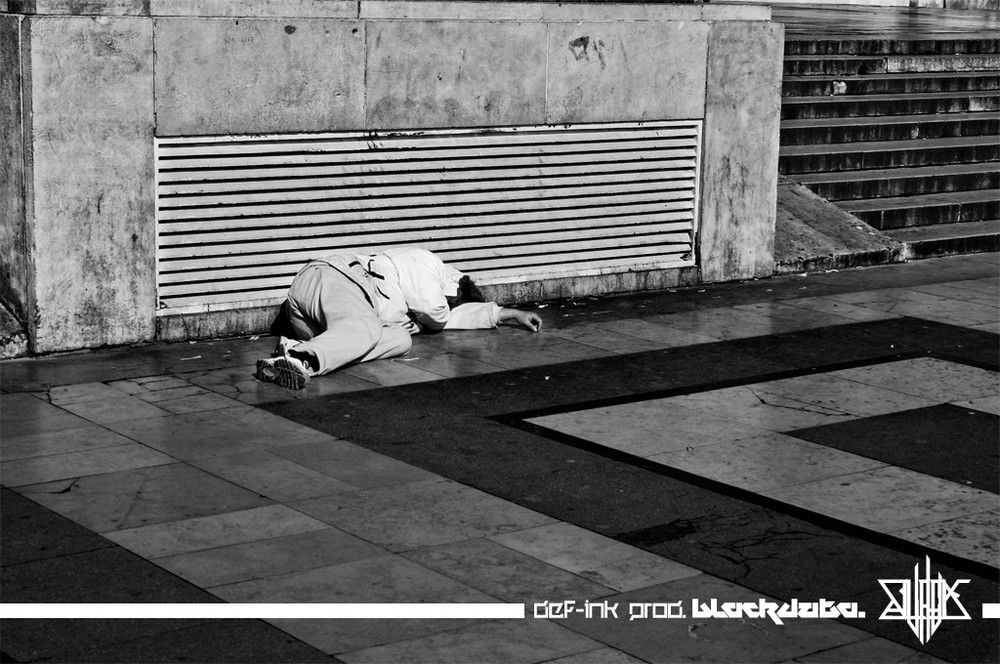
{"x":349,"y":308}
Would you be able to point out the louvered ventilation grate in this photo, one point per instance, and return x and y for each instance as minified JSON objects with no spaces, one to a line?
{"x":238,"y":215}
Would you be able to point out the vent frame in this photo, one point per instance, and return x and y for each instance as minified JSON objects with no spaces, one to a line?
{"x":498,"y":184}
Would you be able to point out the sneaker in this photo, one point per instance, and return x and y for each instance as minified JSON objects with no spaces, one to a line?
{"x":290,"y":372}
{"x":287,"y":372}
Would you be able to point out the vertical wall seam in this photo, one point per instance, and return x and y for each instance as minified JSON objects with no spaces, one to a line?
{"x":702,"y":151}
{"x":545,"y":93}
{"x":365,"y":64}
{"x":156,"y":183}
{"x":152,"y":92}
{"x":27,"y":180}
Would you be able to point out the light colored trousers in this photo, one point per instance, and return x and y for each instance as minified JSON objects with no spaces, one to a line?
{"x":330,"y":312}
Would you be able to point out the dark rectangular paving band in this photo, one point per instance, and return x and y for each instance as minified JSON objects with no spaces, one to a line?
{"x":946,"y":441}
{"x":466,"y":429}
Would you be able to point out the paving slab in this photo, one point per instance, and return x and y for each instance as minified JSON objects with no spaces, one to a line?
{"x":917,"y":499}
{"x":143,"y":496}
{"x":386,"y":578}
{"x":505,"y":573}
{"x":272,"y":476}
{"x":352,"y":465}
{"x":500,"y":641}
{"x":767,"y":460}
{"x":217,"y":530}
{"x":402,"y":517}
{"x":207,"y":434}
{"x":105,"y":459}
{"x":47,"y":443}
{"x":595,"y":557}
{"x":269,"y":557}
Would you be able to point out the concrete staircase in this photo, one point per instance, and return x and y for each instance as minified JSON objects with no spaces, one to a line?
{"x":904,"y":135}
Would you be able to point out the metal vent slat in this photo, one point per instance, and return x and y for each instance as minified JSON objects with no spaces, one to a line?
{"x":346,"y":189}
{"x":187,"y":232}
{"x":267,"y":241}
{"x":244,"y":242}
{"x":272,"y":180}
{"x":237,"y":216}
{"x":609,"y":161}
{"x":380,"y":155}
{"x":502,"y":199}
{"x":201,"y":269}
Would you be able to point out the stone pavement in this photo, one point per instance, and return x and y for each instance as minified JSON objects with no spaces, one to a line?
{"x":801,"y":437}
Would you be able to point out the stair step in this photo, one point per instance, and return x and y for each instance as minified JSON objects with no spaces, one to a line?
{"x":907,"y":211}
{"x":896,"y":182}
{"x":876,"y":46}
{"x":948,"y":239}
{"x":874,"y":84}
{"x":813,"y":131}
{"x":795,"y":159}
{"x":794,"y":108}
{"x":805,"y":65}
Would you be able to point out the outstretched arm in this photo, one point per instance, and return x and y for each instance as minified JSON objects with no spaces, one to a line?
{"x":484,"y":315}
{"x":527,"y":319}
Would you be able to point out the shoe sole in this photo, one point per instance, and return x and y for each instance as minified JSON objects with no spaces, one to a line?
{"x":265,"y":371}
{"x":289,"y":375}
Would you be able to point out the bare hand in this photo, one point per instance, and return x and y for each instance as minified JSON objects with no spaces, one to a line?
{"x":529,"y":320}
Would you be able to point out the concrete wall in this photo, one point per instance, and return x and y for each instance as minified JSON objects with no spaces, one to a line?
{"x":740,"y":174}
{"x":85,"y":217}
{"x":95,"y":95}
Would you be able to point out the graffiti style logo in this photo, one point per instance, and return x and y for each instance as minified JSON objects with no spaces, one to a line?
{"x":924,"y":603}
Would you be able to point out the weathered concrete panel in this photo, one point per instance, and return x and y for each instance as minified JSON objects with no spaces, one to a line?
{"x":454,"y":74}
{"x":91,"y":139}
{"x":713,"y":12}
{"x":544,"y":11}
{"x":740,"y":172}
{"x":14,"y":291}
{"x":585,"y":11}
{"x":445,"y":9}
{"x":247,"y":76}
{"x":80,"y":7}
{"x":604,"y":72}
{"x":256,"y":8}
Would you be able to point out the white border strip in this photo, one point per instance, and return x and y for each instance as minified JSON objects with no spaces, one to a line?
{"x":263,"y":611}
{"x":991,"y":611}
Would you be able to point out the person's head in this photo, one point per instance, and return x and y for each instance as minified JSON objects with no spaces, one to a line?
{"x":467,"y":292}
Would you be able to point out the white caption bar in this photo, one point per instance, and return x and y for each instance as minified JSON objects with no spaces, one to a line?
{"x":991,"y":610}
{"x":263,"y":611}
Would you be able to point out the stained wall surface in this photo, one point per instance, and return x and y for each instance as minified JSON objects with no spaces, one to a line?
{"x":99,"y":87}
{"x":90,"y":136}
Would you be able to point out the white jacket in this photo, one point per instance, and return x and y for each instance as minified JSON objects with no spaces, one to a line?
{"x":411,"y":286}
